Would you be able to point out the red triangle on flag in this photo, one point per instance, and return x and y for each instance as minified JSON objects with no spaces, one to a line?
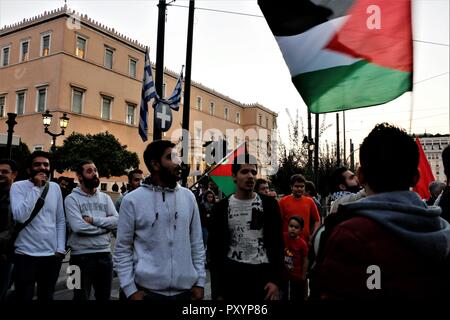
{"x":426,"y":175}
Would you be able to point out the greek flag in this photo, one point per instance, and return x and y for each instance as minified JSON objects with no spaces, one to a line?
{"x":148,"y":92}
{"x":174,"y":100}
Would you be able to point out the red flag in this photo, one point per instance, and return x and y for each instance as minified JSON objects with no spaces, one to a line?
{"x":426,"y":175}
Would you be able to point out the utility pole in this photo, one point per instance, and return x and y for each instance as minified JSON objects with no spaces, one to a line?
{"x":316,"y":153}
{"x":187,"y":88}
{"x":157,"y":134}
{"x":345,"y":142}
{"x":352,"y":156}
{"x":338,"y":151}
{"x":310,"y":152}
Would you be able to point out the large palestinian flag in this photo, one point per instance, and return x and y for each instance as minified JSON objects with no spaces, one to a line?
{"x":222,"y":174}
{"x":344,"y":54}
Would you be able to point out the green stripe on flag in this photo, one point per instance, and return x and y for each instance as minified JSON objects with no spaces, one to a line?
{"x":225,"y":184}
{"x":358,"y":85}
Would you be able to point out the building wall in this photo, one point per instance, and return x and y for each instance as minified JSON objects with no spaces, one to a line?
{"x":62,"y":70}
{"x":433,"y":147}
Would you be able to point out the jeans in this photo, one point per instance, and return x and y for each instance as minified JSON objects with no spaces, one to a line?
{"x":29,"y":271}
{"x":97,"y":272}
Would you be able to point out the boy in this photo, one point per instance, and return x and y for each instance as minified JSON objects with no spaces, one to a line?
{"x":295,"y":253}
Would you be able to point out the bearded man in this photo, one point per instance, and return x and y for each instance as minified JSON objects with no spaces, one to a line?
{"x":40,"y":245}
{"x":92,"y":216}
{"x":159,"y":253}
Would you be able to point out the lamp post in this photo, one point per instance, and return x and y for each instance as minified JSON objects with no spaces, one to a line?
{"x":11,"y":122}
{"x":63,"y":123}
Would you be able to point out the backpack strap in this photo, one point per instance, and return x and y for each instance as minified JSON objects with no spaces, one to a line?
{"x":37,"y":207}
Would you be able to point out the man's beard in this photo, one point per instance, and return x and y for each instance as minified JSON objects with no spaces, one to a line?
{"x":4,"y":182}
{"x":91,"y":183}
{"x":33,"y":173}
{"x":353,"y":189}
{"x":168,"y":177}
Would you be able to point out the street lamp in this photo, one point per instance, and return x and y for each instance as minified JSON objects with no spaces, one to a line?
{"x":308,"y":144}
{"x":63,"y":123}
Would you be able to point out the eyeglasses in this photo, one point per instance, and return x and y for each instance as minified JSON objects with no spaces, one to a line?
{"x":4,"y":171}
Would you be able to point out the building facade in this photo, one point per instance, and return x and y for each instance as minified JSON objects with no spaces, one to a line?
{"x":65,"y":62}
{"x":433,"y":145}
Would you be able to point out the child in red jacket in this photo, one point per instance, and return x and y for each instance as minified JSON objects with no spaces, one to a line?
{"x":295,"y":253}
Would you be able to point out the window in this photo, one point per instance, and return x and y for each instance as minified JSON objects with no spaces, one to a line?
{"x":109,"y":57}
{"x":2,"y":106}
{"x":164,"y":89}
{"x":41,"y":100}
{"x":80,"y":50}
{"x":238,"y":117}
{"x":198,"y":133}
{"x":212,"y":108}
{"x":131,"y":111}
{"x":5,"y":56}
{"x":198,"y":104}
{"x":260,"y":120}
{"x":103,"y":186}
{"x":225,"y":113}
{"x":132,"y":68}
{"x":77,"y":100}
{"x":20,"y":102}
{"x":106,"y":108}
{"x":24,"y":50}
{"x":267,"y":122}
{"x":45,"y":45}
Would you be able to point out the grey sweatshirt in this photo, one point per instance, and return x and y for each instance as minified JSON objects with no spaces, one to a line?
{"x":85,"y":237}
{"x":159,"y":241}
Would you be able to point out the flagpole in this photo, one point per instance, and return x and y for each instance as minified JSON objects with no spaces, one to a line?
{"x":157,"y":134}
{"x":219,"y":163}
{"x":411,"y":111}
{"x":187,"y":87}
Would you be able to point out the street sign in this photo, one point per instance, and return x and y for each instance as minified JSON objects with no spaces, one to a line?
{"x":163,"y":116}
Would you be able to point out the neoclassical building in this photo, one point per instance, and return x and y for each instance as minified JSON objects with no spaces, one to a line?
{"x":62,"y":61}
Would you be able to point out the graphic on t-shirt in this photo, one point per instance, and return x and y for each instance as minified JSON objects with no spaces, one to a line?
{"x":245,"y":220}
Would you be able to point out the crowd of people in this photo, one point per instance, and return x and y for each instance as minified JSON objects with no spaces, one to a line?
{"x":374,"y":240}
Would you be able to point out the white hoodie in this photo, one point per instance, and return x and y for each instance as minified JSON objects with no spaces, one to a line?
{"x":159,"y":241}
{"x":85,"y":237}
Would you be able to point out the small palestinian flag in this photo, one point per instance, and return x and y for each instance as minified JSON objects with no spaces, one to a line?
{"x":222,"y":174}
{"x":344,"y":54}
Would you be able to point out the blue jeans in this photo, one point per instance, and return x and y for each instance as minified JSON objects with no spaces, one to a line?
{"x":97,"y":272}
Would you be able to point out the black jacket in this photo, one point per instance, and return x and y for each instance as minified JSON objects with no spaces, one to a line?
{"x":219,"y":242}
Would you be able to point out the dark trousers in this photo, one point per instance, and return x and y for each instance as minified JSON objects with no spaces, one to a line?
{"x":152,"y":296}
{"x":295,"y":290}
{"x":96,"y":271}
{"x":29,"y":271}
{"x":5,"y":278}
{"x":245,"y":281}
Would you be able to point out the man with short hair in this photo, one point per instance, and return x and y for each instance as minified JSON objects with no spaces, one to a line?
{"x":91,"y":216}
{"x":8,"y":173}
{"x":343,"y":182}
{"x":296,"y":204}
{"x":435,"y":188}
{"x":389,"y":245}
{"x":135,"y":178}
{"x":159,"y":251}
{"x":246,"y":241}
{"x":262,"y":186}
{"x":40,"y":246}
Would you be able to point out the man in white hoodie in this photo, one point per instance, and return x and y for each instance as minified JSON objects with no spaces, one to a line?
{"x":40,"y":246}
{"x":159,"y":251}
{"x":91,"y":216}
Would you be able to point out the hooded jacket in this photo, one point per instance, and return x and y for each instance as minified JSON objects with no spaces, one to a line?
{"x":85,"y":237}
{"x":386,"y":246}
{"x":159,"y":243}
